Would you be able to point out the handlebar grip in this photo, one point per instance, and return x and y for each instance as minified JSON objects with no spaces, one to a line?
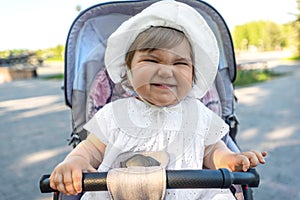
{"x":222,"y":178}
{"x":176,"y":179}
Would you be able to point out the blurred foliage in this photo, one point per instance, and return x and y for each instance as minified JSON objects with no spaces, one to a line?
{"x":268,"y":36}
{"x":256,"y":35}
{"x":54,"y":53}
{"x":247,"y":77}
{"x":9,"y":53}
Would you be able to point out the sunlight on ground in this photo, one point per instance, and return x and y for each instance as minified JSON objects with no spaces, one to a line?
{"x":274,"y":139}
{"x":282,"y":133}
{"x":249,"y":134}
{"x":44,"y":110}
{"x":43,"y":155}
{"x":280,"y":138}
{"x":29,"y":103}
{"x":32,"y":106}
{"x":271,"y":145}
{"x":250,"y":95}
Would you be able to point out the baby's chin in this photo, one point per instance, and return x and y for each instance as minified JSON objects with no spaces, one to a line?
{"x":161,"y":102}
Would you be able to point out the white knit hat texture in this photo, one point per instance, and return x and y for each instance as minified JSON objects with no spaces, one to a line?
{"x":172,"y":14}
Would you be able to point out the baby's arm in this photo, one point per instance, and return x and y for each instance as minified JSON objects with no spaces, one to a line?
{"x":86,"y":157}
{"x":219,"y":156}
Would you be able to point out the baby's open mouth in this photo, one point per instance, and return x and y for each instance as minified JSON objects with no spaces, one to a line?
{"x":163,"y":85}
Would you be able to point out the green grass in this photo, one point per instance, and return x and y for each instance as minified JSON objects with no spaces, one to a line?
{"x":54,"y":59}
{"x":248,"y":77}
{"x":54,"y":77}
{"x":293,"y":58}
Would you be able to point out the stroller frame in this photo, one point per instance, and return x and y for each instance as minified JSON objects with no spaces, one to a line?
{"x":83,"y":60}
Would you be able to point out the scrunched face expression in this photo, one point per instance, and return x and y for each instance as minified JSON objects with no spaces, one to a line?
{"x":163,"y":76}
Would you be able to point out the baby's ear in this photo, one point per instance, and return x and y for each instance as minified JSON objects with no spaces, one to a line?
{"x":128,"y":81}
{"x":129,"y":77}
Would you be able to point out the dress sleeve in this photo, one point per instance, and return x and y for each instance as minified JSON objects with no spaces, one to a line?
{"x":98,"y":124}
{"x":216,"y":131}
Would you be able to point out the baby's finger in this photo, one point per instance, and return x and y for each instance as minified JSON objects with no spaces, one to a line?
{"x":52,"y":181}
{"x":260,"y":156}
{"x":245,"y":163}
{"x":68,"y":183}
{"x":264,"y":154}
{"x":253,"y":159}
{"x":77,"y":180}
{"x":58,"y":179}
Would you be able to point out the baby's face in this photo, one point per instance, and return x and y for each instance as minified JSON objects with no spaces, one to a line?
{"x":163,"y":77}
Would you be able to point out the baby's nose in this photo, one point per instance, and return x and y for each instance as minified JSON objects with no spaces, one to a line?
{"x":165,"y":71}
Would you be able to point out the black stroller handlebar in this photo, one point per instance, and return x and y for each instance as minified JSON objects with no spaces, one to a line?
{"x":176,"y":179}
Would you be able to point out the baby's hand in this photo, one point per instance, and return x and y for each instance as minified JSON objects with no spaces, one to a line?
{"x":246,"y":160}
{"x":67,"y":176}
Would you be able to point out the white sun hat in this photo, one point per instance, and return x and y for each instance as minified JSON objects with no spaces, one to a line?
{"x":174,"y":15}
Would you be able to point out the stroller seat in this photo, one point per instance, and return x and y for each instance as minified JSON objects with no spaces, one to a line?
{"x":88,"y":87}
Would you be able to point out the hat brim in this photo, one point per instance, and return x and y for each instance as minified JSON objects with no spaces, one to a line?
{"x":178,"y":16}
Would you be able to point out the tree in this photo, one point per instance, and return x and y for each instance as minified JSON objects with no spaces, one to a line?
{"x":267,"y":35}
{"x":297,"y":27}
{"x":263,"y":35}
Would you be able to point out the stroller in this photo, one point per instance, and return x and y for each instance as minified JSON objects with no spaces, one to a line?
{"x":88,"y":88}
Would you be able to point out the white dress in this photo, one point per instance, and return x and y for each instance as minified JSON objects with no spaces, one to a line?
{"x":182,"y":130}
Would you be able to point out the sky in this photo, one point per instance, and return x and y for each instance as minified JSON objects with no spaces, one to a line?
{"x":39,"y":24}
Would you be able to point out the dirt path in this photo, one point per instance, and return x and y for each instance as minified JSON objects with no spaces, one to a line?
{"x":270,"y":120}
